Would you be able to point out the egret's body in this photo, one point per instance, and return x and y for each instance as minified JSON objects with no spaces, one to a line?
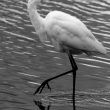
{"x":66,"y":32}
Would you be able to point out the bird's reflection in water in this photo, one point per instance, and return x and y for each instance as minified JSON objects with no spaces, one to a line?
{"x":46,"y":101}
{"x":41,"y":106}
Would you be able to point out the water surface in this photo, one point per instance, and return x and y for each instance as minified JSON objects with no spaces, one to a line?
{"x":25,"y":62}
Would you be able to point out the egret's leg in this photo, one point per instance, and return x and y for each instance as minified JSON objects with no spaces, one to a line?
{"x":75,"y":68}
{"x":40,"y":88}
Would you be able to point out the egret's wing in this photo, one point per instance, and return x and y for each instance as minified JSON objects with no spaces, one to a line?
{"x":77,"y":27}
{"x":68,"y":30}
{"x":78,"y":36}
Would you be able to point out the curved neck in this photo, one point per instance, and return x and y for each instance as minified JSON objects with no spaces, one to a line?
{"x":36,"y":19}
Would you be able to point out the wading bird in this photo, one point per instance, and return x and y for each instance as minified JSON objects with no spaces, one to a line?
{"x":67,"y":34}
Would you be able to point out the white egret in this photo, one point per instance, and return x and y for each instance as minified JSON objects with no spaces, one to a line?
{"x":68,"y":35}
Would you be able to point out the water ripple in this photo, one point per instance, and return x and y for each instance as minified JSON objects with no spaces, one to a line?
{"x":89,"y":98}
{"x":25,"y":62}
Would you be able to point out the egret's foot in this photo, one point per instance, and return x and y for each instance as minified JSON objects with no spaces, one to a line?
{"x":41,"y":87}
{"x":39,"y":104}
{"x":41,"y":107}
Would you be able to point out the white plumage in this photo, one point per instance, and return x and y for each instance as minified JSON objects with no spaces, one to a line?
{"x":65,"y":31}
{"x":68,"y":34}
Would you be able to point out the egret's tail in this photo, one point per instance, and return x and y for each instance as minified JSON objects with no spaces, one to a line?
{"x":100,"y":48}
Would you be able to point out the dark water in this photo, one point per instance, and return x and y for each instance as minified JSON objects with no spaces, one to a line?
{"x":25,"y":62}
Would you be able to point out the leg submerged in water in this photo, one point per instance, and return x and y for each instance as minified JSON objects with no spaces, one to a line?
{"x":41,"y":107}
{"x":75,"y":68}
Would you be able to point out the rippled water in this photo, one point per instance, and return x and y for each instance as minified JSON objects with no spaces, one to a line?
{"x":25,"y":62}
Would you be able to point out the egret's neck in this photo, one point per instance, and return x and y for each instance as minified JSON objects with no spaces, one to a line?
{"x":36,"y":19}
